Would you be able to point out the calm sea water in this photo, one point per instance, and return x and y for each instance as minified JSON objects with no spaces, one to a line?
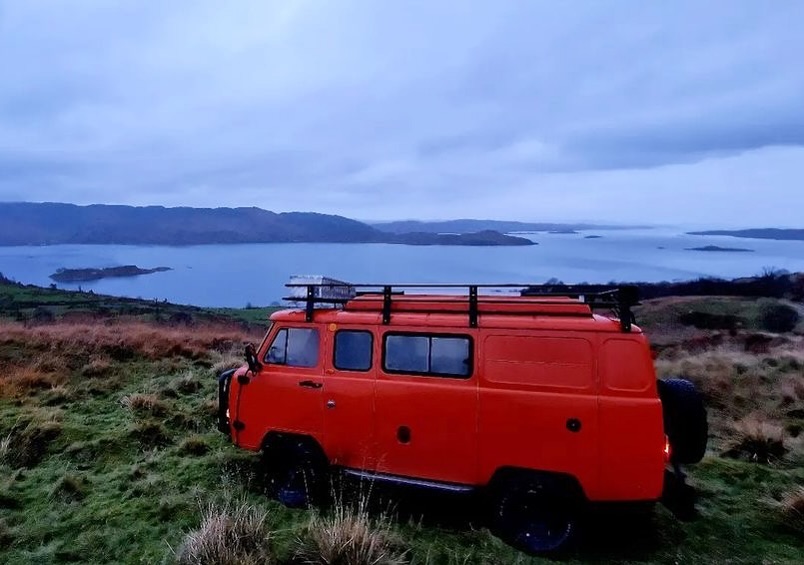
{"x":234,"y":275}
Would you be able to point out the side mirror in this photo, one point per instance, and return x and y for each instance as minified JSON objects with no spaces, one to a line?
{"x":251,"y":358}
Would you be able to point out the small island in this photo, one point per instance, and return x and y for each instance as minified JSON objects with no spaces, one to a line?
{"x":718,"y":248}
{"x":563,"y":232}
{"x":592,"y":236}
{"x":481,"y":238}
{"x":87,"y":275}
{"x":779,"y":234}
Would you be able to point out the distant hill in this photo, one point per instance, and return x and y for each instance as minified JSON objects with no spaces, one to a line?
{"x":473,"y":226}
{"x":54,"y":223}
{"x":758,"y":233}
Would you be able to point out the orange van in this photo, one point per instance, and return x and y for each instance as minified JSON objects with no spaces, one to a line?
{"x":520,"y":391}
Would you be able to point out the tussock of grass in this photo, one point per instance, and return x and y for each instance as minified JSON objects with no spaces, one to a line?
{"x":150,"y":434}
{"x":229,"y":534}
{"x":98,"y":366}
{"x":758,"y":440}
{"x":20,"y":381}
{"x":69,"y":488}
{"x":144,"y":404}
{"x":5,"y":449}
{"x":226,"y":360}
{"x":194,"y":445}
{"x":28,"y":441}
{"x":348,"y":535}
{"x":6,"y":536}
{"x":792,"y":508}
{"x":186,"y":384}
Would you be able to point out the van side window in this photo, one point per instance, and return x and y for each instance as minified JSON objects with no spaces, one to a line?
{"x":294,"y":347}
{"x":353,"y":350}
{"x":426,"y":354}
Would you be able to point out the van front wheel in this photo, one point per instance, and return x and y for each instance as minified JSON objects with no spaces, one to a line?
{"x":294,"y":474}
{"x":528,"y":516}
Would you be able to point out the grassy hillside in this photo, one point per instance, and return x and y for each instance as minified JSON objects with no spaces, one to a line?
{"x":108,"y":451}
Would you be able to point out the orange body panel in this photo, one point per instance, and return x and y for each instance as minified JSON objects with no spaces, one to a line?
{"x":563,"y":391}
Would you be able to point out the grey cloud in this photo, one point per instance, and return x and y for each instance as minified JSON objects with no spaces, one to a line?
{"x":351,"y":106}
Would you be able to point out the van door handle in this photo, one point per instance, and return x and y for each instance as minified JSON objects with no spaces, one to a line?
{"x":311,"y":384}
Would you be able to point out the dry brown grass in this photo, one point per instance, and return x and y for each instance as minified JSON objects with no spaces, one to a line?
{"x":123,"y":339}
{"x":792,"y":508}
{"x":5,"y":449}
{"x":28,"y":441}
{"x":758,"y":440}
{"x":194,"y":445}
{"x":19,"y":381}
{"x":230,"y":534}
{"x":223,"y":361}
{"x":98,"y":366}
{"x":350,"y":536}
{"x":188,"y":383}
{"x":144,"y":403}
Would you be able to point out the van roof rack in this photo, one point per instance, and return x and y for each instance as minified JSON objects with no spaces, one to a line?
{"x":620,"y":299}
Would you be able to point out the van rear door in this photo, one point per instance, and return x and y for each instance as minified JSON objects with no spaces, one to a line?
{"x":538,"y":404}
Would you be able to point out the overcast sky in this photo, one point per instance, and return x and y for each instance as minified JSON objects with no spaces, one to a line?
{"x":649,"y":112}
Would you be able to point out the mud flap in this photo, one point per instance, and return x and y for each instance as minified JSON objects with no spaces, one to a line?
{"x":679,"y":497}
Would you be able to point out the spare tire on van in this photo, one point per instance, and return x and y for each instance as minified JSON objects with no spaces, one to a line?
{"x":684,"y":420}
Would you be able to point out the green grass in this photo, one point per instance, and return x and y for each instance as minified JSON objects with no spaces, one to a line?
{"x":114,"y":459}
{"x":27,"y":302}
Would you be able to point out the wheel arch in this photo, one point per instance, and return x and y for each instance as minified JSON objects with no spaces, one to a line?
{"x":553,"y":480}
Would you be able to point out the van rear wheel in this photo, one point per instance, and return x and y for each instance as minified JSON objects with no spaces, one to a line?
{"x":532,"y":518}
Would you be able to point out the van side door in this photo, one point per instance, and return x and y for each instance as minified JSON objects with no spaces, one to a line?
{"x":426,"y":406}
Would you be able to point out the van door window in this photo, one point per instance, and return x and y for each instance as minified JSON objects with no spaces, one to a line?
{"x":353,"y":350}
{"x":294,"y":347}
{"x":426,"y":354}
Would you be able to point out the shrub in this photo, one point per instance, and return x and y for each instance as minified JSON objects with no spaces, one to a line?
{"x":777,"y":317}
{"x":348,"y":536}
{"x":229,"y":535}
